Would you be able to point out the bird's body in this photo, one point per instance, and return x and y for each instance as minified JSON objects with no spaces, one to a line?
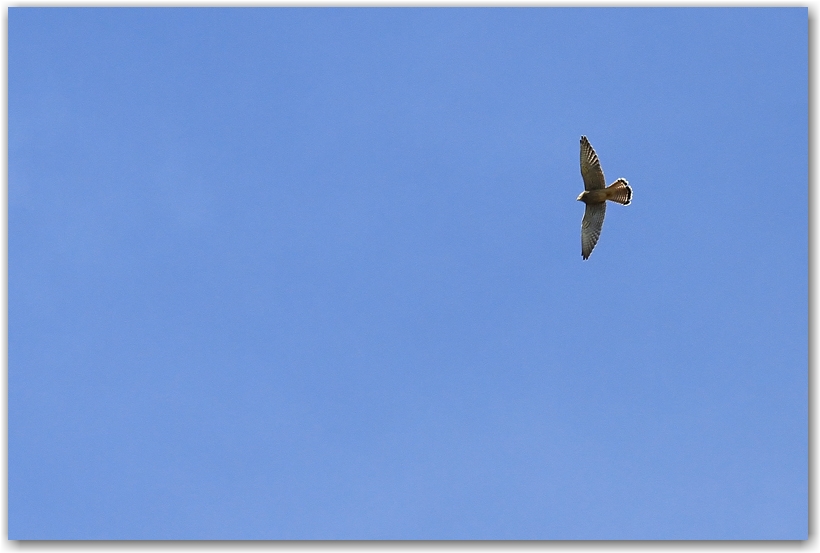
{"x":618,"y":191}
{"x":595,"y":196}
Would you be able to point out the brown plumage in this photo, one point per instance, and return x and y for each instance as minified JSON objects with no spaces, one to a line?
{"x":595,"y":195}
{"x":619,"y":192}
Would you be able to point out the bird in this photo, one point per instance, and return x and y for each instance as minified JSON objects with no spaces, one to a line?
{"x":595,"y":195}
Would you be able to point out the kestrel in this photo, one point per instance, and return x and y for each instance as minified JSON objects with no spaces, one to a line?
{"x":595,"y":195}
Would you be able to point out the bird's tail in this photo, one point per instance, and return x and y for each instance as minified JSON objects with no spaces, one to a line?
{"x":619,"y":191}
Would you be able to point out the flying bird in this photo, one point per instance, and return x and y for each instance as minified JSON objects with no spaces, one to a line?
{"x":595,"y":195}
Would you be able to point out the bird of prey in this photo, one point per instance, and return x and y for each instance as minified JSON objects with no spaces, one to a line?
{"x":595,"y":195}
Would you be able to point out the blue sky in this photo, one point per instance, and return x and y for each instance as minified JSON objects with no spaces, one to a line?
{"x":316,"y":274}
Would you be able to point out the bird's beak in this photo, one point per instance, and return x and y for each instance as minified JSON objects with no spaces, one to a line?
{"x":578,"y":199}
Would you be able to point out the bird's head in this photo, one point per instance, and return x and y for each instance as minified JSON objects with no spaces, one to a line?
{"x":580,"y":197}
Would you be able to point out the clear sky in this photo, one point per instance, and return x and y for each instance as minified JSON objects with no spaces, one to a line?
{"x":288,"y":274}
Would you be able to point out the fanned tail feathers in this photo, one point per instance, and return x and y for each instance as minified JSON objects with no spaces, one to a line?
{"x":620,"y":192}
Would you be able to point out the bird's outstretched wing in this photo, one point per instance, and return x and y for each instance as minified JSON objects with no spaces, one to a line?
{"x":591,"y":227}
{"x":590,"y":167}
